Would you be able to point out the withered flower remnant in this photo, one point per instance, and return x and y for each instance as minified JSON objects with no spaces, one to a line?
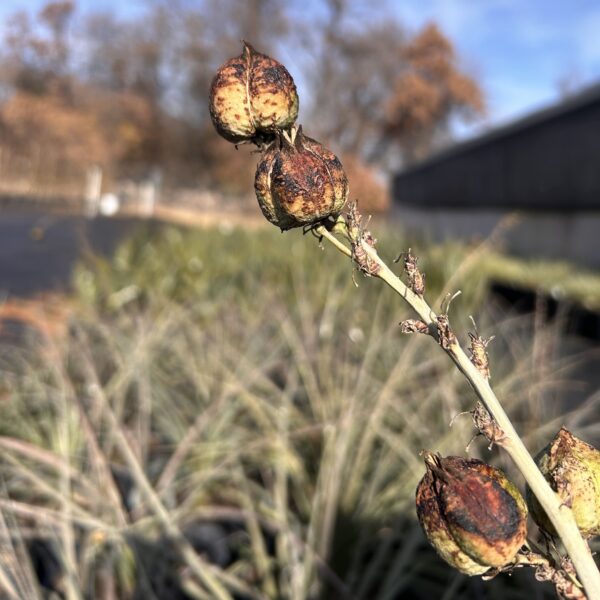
{"x":299,"y":182}
{"x":471,"y":513}
{"x":250,"y":95}
{"x":572,"y":467}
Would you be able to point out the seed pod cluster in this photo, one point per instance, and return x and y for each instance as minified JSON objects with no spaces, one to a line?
{"x":572,"y":467}
{"x":299,"y":182}
{"x":250,"y":95}
{"x":471,"y":513}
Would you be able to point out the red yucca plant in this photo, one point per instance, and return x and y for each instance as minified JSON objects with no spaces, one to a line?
{"x":471,"y":513}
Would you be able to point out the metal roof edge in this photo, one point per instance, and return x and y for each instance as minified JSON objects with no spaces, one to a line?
{"x":587,"y":96}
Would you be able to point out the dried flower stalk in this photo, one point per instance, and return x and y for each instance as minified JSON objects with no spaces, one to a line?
{"x":243,"y":85}
{"x":559,"y":514}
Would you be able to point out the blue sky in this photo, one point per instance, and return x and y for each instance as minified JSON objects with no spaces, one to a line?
{"x":520,"y":49}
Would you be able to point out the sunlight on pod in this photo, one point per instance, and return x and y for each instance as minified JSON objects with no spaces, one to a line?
{"x":572,"y":468}
{"x":250,"y":95}
{"x":299,"y":182}
{"x":471,"y":513}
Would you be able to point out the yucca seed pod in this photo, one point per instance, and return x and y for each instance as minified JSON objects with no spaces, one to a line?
{"x":572,"y":467}
{"x":299,"y":182}
{"x":250,"y":95}
{"x":471,"y":513}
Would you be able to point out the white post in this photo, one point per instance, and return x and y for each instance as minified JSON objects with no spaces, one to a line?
{"x":93,"y":189}
{"x":147,"y":198}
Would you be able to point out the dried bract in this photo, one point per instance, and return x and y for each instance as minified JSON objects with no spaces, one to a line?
{"x":446,"y":335}
{"x":252,"y":94}
{"x":563,"y":577}
{"x":416,"y":279}
{"x":414,"y":326}
{"x":361,"y":241}
{"x":572,"y":468}
{"x":299,"y":182}
{"x":479,"y":355}
{"x":471,"y":513}
{"x":366,"y":265}
{"x":486,"y":425}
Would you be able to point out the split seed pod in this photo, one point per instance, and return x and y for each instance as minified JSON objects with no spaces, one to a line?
{"x":299,"y":182}
{"x":471,"y":513}
{"x":572,"y":468}
{"x":252,"y":94}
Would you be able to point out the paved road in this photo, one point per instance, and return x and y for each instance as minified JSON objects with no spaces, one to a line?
{"x":38,"y":252}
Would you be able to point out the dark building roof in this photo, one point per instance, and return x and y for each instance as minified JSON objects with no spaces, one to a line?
{"x":549,"y":160}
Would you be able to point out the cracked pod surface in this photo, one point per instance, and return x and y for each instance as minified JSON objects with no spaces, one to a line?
{"x":299,"y":182}
{"x":471,"y":513}
{"x":252,"y":94}
{"x":572,"y":467}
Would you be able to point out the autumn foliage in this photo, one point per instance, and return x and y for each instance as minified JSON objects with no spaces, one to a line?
{"x":431,"y":89}
{"x":130,"y":96}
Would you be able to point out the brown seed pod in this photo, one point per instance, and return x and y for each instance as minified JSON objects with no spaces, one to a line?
{"x":299,"y":182}
{"x":572,"y":467}
{"x":471,"y":513}
{"x":252,"y":94}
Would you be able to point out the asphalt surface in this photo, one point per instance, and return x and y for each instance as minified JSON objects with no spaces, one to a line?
{"x":38,"y":251}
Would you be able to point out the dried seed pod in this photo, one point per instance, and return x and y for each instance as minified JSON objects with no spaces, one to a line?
{"x":252,"y":94}
{"x":299,"y":182}
{"x":572,"y":468}
{"x":471,"y":513}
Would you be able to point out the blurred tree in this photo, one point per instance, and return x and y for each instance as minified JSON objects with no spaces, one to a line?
{"x":168,"y":60}
{"x":44,"y":128}
{"x":42,"y":120}
{"x":428,"y":94}
{"x":38,"y":52}
{"x":367,"y":184}
{"x":133,"y":95}
{"x":383,"y":94}
{"x":570,"y":81}
{"x":56,"y":17}
{"x":133,"y":61}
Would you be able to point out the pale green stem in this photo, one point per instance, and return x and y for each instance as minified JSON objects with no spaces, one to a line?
{"x":560,"y":515}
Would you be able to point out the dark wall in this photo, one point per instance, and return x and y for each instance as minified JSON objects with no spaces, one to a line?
{"x":551,"y":164}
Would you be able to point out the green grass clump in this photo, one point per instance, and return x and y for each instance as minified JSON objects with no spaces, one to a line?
{"x":225,"y":264}
{"x":240,"y":381}
{"x":560,"y":280}
{"x":203,"y":268}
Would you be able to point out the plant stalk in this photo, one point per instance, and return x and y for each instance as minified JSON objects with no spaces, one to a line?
{"x":560,"y":515}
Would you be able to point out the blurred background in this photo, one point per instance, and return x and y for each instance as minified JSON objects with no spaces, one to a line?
{"x":195,"y":406}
